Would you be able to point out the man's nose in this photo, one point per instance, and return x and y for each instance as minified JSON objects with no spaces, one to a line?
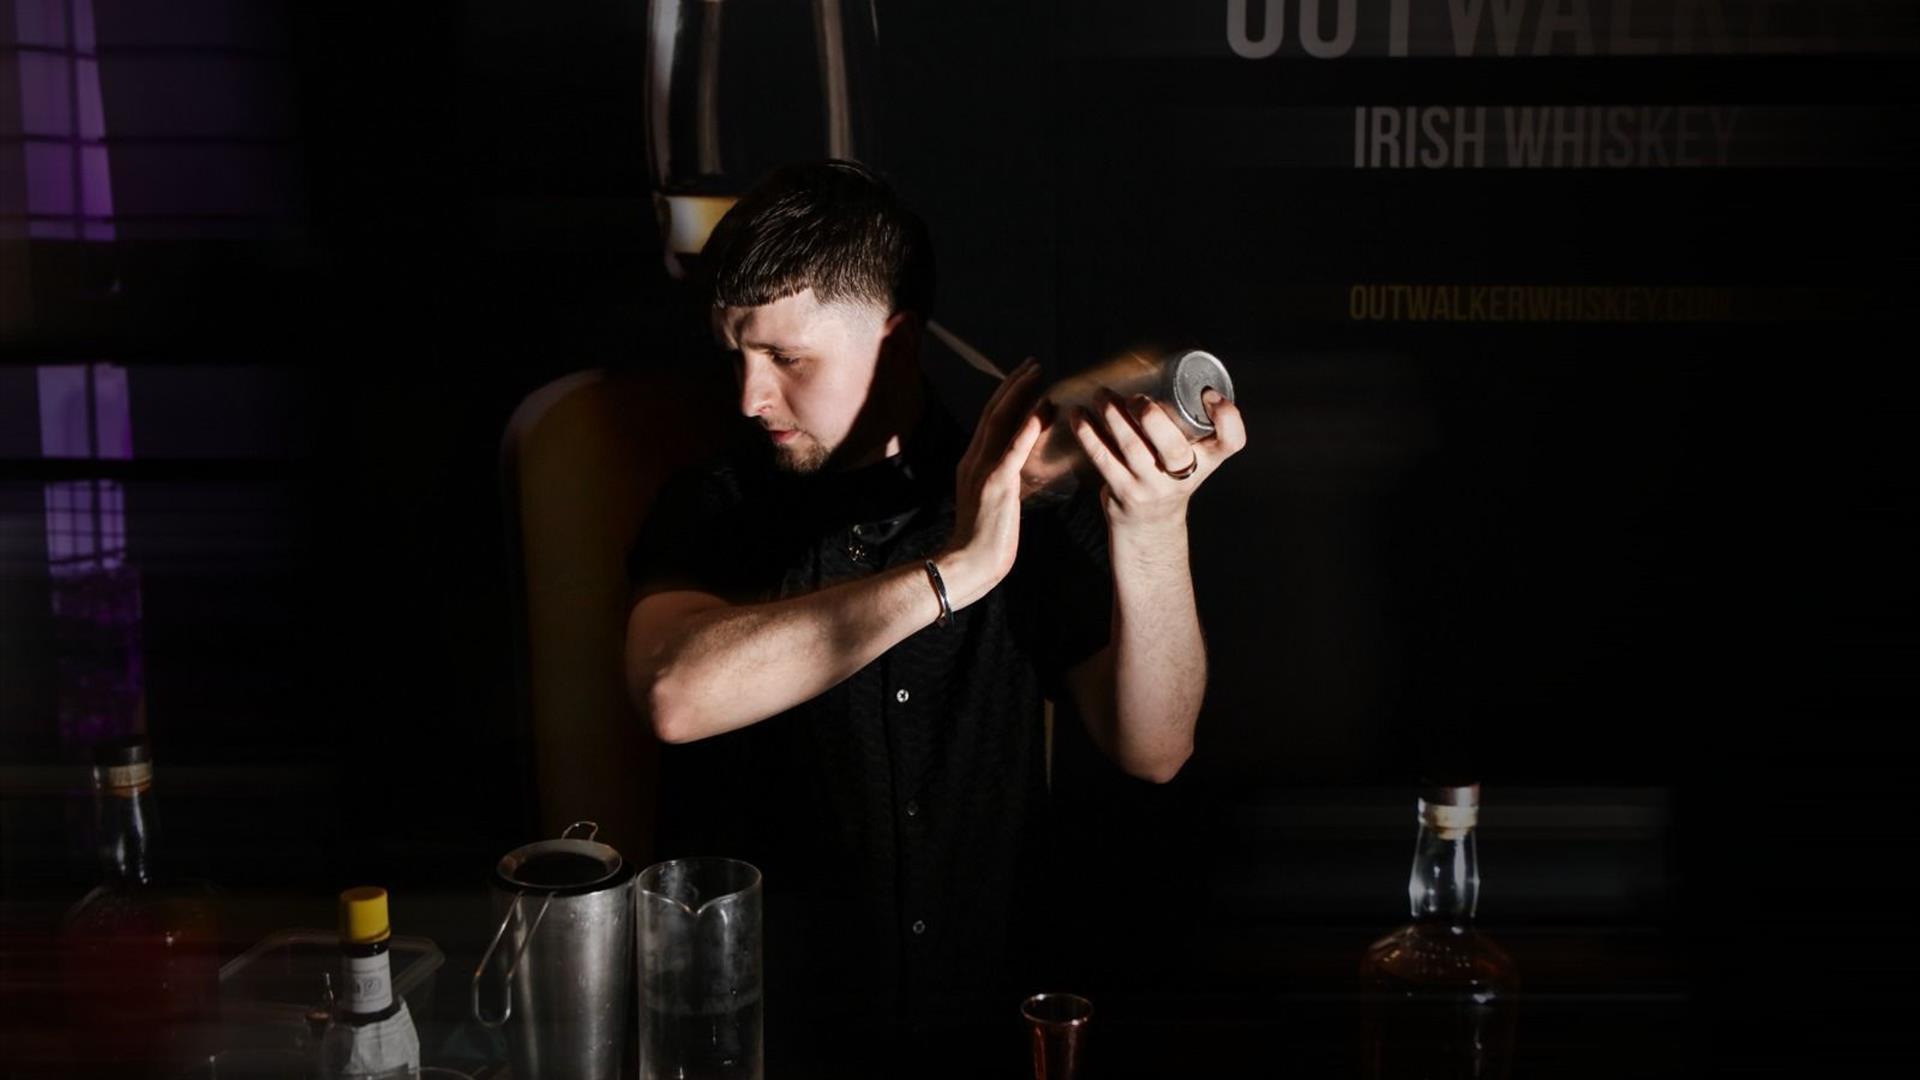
{"x":757,"y":392}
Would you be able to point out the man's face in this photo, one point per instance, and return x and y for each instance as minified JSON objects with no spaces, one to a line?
{"x":805,"y":371}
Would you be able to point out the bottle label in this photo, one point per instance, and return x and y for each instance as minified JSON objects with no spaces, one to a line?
{"x":1452,"y":822}
{"x":369,"y":983}
{"x":127,"y":777}
{"x":383,"y":1048}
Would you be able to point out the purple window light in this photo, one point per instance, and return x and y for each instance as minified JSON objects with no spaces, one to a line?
{"x":44,"y":22}
{"x":100,"y":668}
{"x":93,"y":118}
{"x":66,"y":429}
{"x":69,"y":184}
{"x":46,"y":95}
{"x":50,"y":180}
{"x":83,"y":36}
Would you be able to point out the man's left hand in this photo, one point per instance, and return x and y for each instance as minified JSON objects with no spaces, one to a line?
{"x":1150,"y":468}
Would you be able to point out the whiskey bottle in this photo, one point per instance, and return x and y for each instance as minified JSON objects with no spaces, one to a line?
{"x":1439,"y":993}
{"x":141,"y":953}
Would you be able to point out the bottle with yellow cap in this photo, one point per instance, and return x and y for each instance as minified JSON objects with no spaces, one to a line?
{"x":372,"y":1033}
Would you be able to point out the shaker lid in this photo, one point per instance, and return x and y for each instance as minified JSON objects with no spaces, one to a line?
{"x":1189,"y":375}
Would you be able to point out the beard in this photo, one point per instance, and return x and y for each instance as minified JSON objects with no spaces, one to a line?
{"x":804,"y":456}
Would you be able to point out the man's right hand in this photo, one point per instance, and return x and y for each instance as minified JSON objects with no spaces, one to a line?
{"x":987,"y":490}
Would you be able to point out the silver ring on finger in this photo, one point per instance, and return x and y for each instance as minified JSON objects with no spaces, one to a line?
{"x":1182,"y":474}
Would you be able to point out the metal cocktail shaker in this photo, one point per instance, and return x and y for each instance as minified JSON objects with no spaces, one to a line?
{"x":567,"y":917}
{"x":1175,"y":381}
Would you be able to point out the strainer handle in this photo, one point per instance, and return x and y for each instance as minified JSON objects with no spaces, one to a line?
{"x":506,"y":983}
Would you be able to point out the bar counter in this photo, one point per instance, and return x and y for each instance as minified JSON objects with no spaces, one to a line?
{"x":1243,"y":957}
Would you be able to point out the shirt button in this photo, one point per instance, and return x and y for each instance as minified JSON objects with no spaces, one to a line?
{"x":913,"y":808}
{"x":856,"y":551}
{"x":919,"y":926}
{"x":901,"y":696}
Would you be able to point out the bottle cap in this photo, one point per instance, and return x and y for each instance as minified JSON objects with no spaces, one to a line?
{"x":126,"y":750}
{"x":125,"y":763}
{"x":363,"y":915}
{"x":1450,"y":794}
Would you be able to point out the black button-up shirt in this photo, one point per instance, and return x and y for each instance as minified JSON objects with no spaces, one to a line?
{"x":898,"y":818}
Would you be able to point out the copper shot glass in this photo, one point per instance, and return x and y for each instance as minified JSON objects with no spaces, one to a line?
{"x":1059,"y":1026}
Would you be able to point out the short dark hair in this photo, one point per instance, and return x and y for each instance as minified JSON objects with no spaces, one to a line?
{"x":832,"y":226}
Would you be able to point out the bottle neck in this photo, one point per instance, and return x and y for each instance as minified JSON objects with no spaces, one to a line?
{"x":1444,"y":887}
{"x":126,"y":826}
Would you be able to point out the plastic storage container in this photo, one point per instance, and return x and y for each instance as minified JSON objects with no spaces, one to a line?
{"x":274,"y":984}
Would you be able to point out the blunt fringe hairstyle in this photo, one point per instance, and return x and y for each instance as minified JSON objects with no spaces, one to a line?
{"x":832,"y":226}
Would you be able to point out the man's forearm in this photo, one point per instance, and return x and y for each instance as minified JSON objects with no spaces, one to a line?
{"x":1159,"y":658}
{"x":723,"y":668}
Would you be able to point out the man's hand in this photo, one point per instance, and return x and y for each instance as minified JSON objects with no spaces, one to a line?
{"x":1140,"y":696}
{"x":986,"y":532}
{"x":1139,"y":453}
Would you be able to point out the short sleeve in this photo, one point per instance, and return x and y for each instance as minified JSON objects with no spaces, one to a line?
{"x":689,"y":539}
{"x":1068,"y":582}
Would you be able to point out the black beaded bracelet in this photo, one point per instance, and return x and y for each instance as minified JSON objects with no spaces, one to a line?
{"x":940,"y":591}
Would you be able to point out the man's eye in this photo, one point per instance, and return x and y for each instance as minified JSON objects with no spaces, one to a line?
{"x":782,"y":360}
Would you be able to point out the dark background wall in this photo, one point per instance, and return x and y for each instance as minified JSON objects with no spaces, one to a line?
{"x":1667,"y":551}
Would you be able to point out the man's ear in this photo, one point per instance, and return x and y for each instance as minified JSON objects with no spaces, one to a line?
{"x":900,"y":337}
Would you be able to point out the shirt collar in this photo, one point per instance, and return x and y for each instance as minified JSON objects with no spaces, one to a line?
{"x":884,"y":496}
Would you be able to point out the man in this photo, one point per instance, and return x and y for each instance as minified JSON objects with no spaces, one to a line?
{"x":848,"y":624}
